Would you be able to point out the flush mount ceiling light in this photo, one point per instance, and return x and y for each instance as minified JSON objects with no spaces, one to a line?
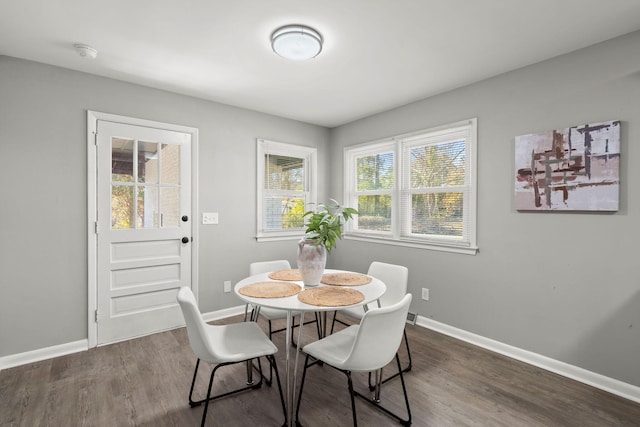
{"x":296,"y":42}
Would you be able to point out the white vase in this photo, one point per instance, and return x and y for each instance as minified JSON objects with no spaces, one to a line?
{"x":312,"y":260}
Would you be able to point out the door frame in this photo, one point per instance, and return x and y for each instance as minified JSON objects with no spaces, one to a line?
{"x":92,"y":206}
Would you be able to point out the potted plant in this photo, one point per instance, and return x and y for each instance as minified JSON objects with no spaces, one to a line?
{"x":323,"y":229}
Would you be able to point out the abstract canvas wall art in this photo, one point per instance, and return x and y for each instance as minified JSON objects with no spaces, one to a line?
{"x":569,"y":169}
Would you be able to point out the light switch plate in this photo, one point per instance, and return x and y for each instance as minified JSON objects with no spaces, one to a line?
{"x":209,"y":218}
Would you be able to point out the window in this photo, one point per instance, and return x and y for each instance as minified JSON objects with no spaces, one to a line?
{"x":416,"y":190}
{"x":286,"y":189}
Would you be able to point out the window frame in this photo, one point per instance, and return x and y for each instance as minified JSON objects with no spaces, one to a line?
{"x":401,"y":193}
{"x":309,"y":194}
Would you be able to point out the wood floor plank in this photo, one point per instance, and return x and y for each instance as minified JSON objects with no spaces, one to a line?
{"x":145,"y":382}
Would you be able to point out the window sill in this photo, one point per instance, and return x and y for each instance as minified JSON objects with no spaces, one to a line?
{"x":280,"y":237}
{"x":417,"y":245}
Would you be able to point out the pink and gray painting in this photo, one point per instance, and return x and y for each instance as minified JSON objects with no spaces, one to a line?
{"x":569,"y":169}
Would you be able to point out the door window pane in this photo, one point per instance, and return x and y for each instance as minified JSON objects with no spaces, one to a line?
{"x":121,"y":159}
{"x":147,"y":162}
{"x":170,"y":206}
{"x":122,"y":207}
{"x":170,"y":164}
{"x":147,"y":207}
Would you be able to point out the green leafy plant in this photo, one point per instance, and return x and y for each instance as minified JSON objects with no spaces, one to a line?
{"x":324,"y":226}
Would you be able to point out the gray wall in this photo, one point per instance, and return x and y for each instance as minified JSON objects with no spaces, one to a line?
{"x":561,"y":285}
{"x":564,"y":285}
{"x":43,"y":200}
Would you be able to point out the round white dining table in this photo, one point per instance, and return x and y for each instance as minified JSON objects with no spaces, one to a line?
{"x":372,"y":291}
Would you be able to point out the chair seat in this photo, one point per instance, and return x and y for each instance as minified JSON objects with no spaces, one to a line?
{"x":275,"y":313}
{"x":238,"y":342}
{"x":335,"y":348}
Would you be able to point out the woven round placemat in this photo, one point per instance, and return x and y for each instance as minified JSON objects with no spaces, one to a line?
{"x":270,"y":289}
{"x":286,"y":275}
{"x":345,"y":279}
{"x":330,"y":297}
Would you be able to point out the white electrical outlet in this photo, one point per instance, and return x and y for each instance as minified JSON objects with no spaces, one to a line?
{"x":227,"y":285}
{"x":425,"y":294}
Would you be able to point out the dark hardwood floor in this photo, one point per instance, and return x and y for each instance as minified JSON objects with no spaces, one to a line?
{"x":145,"y":382}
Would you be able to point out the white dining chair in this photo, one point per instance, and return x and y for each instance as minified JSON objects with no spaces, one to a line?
{"x":224,"y":345}
{"x":396,"y":278}
{"x":367,"y":347}
{"x":266,"y":267}
{"x":272,"y":314}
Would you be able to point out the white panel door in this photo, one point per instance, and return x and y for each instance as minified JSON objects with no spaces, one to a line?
{"x":144,"y":229}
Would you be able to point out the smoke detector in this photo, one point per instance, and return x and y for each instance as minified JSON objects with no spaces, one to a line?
{"x":85,"y":51}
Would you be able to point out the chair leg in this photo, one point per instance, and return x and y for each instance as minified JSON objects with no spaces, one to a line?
{"x":259,"y":369}
{"x":210,"y":398}
{"x":335,"y":319}
{"x":270,"y":367}
{"x":409,"y":366}
{"x":318,"y":326}
{"x":405,"y":369}
{"x":262,"y":377}
{"x":293,"y":342}
{"x":294,"y":325}
{"x":304,"y":375}
{"x":249,"y":364}
{"x":404,"y":422}
{"x":376,"y":395}
{"x":333,"y":322}
{"x":206,"y":405}
{"x":406,"y":342}
{"x":193,"y":383}
{"x":293,"y":328}
{"x":272,"y":362}
{"x":352,"y":395}
{"x":404,"y":391}
{"x":316,"y":321}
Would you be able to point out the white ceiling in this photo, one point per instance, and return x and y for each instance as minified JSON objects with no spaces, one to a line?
{"x":378,"y":54}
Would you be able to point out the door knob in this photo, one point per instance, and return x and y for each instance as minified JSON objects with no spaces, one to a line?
{"x":185,"y":218}
{"x":185,"y":240}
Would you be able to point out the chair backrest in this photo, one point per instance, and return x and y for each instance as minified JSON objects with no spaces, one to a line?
{"x":267,"y":266}
{"x":395,"y":277}
{"x":196,"y":326}
{"x":378,"y":337}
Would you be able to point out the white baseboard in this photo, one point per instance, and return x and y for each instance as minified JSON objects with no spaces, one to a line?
{"x":222,"y":314}
{"x":622,"y":389}
{"x":13,"y":360}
